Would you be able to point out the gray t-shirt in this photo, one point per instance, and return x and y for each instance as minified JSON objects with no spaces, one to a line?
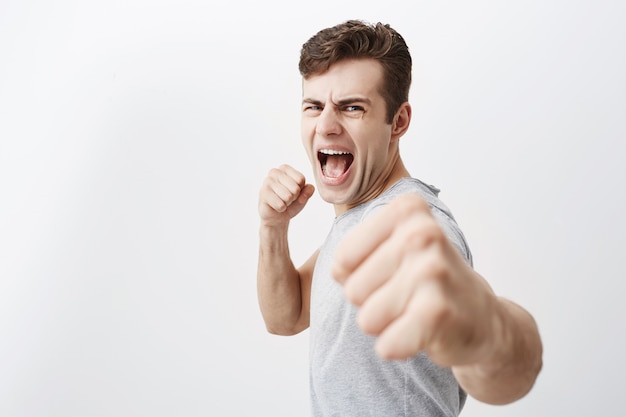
{"x":347,"y":378}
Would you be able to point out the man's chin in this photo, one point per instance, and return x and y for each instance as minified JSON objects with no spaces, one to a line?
{"x":332,"y":195}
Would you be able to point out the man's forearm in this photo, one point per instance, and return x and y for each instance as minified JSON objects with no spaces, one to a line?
{"x":510,"y":371}
{"x":278,"y":283}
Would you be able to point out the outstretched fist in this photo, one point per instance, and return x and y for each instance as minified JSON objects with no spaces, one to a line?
{"x":413,"y":288}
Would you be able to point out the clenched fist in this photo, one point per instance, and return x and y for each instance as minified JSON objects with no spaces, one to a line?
{"x":413,"y":288}
{"x":284,"y":193}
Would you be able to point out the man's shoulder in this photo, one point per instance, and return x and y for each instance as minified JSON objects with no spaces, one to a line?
{"x":428,"y":192}
{"x":440,"y":211}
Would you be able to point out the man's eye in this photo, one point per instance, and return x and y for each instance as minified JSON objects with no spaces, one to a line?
{"x":353,"y":108}
{"x":313,"y":108}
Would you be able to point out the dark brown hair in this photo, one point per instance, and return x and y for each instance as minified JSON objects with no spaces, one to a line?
{"x":358,"y":39}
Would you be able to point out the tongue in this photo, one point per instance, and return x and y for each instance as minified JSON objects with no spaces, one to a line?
{"x":336,"y":165}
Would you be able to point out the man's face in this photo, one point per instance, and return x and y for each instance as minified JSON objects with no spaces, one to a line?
{"x":346,"y":134}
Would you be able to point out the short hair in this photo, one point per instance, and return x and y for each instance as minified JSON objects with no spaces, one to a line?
{"x":355,"y":39}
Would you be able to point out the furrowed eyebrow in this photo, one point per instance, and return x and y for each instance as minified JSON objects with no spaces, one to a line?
{"x":311,"y":101}
{"x":352,"y":100}
{"x":343,"y":102}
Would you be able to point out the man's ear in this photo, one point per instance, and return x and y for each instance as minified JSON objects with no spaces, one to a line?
{"x":401,"y":121}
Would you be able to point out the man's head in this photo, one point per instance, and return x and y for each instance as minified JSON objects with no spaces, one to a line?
{"x":355,"y":108}
{"x":355,"y":39}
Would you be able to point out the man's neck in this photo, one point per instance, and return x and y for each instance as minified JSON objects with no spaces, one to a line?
{"x":397,"y":172}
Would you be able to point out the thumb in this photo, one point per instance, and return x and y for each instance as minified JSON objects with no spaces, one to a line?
{"x":305,"y":194}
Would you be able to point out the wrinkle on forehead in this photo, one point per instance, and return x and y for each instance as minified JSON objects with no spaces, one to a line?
{"x":349,"y":79}
{"x":340,"y":102}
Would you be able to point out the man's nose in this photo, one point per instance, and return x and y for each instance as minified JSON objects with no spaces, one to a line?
{"x":328,"y":122}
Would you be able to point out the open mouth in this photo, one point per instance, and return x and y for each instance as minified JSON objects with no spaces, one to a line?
{"x":334,"y":163}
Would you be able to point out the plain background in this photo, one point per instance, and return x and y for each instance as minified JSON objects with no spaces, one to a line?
{"x":134,"y":136}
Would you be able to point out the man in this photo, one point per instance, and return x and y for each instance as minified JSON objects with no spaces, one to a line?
{"x":400,"y":323}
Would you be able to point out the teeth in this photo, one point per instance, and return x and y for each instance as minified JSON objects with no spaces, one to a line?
{"x":333,"y":152}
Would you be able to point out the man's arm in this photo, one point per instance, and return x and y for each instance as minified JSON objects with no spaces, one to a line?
{"x":416,"y":293}
{"x":283,"y":291}
{"x":509,"y":370}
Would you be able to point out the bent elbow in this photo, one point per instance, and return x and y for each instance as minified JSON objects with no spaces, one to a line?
{"x":279,"y":332}
{"x":283,"y":330}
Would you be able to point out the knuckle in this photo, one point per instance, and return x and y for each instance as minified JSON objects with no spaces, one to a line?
{"x":407,"y":204}
{"x":294,"y":191}
{"x":437,"y":269}
{"x":421,"y":231}
{"x":274,"y":172}
{"x":280,"y":206}
{"x":365,"y":323}
{"x":441,"y":313}
{"x":352,"y":294}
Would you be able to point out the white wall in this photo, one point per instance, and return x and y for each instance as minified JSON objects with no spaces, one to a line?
{"x":134,"y":136}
